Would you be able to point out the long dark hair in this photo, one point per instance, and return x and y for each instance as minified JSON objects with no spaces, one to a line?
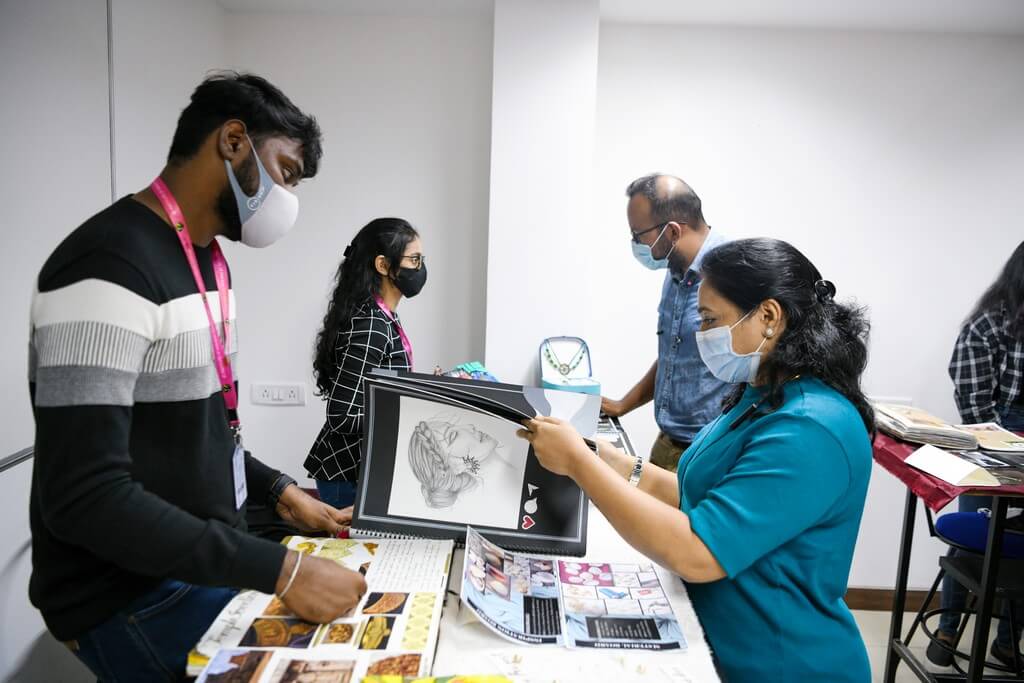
{"x":356,"y":281}
{"x":1007,"y":292}
{"x":822,"y":338}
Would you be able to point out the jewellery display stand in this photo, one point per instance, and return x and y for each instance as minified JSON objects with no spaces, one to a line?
{"x":565,"y":364}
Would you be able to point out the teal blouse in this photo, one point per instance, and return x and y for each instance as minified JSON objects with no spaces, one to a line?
{"x":778,"y":502}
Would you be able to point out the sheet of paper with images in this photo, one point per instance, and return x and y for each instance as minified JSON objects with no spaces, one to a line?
{"x":609,"y":605}
{"x":393,"y":630}
{"x":513,"y":594}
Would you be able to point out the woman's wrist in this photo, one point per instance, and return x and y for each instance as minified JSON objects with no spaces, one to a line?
{"x":619,"y":461}
{"x":582,"y":457}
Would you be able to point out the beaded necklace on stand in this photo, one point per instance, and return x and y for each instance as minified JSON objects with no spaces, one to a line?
{"x":563,"y":368}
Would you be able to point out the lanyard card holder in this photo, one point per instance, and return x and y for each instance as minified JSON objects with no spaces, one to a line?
{"x":565,"y":365}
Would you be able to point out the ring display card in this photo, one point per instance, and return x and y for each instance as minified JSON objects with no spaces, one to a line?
{"x":441,"y":453}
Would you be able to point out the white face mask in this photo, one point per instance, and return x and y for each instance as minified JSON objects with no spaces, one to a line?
{"x":715,"y":347}
{"x":268,"y":215}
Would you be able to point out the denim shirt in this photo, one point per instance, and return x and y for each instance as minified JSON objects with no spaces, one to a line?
{"x":686,"y":395}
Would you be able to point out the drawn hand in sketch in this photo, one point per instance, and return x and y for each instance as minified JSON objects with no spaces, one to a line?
{"x":448,"y":458}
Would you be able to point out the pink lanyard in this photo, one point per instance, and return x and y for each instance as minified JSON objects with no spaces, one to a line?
{"x":401,"y":333}
{"x":220,"y":272}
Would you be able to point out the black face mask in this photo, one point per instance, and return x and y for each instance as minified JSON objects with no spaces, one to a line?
{"x":411,"y":280}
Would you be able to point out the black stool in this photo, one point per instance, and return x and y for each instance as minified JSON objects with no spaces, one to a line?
{"x":965,"y":567}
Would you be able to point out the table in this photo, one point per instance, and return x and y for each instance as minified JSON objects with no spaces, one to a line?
{"x":467,"y":646}
{"x":891,"y":454}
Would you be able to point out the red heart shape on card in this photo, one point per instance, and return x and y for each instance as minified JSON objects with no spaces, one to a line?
{"x":528,"y":522}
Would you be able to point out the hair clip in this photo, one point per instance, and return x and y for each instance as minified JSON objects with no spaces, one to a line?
{"x":348,"y":251}
{"x":825,"y":291}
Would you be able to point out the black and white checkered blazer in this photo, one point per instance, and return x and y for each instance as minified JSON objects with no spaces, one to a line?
{"x":370,"y":341}
{"x":987,"y":367}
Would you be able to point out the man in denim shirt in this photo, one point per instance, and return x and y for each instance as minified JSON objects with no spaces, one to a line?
{"x":669,"y":231}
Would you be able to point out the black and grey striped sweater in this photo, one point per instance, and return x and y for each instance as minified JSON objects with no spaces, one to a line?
{"x":132,"y":482}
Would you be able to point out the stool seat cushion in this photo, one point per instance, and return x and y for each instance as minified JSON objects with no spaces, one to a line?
{"x":970,"y":530}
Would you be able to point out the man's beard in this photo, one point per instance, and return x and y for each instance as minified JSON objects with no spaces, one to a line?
{"x":677,"y":264}
{"x":227,"y":207}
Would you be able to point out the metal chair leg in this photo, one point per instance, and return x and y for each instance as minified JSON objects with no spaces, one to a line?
{"x":972,"y":600}
{"x":1015,"y":639}
{"x":924,"y":607}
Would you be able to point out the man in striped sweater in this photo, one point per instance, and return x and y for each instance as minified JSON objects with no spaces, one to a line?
{"x":139,"y":485}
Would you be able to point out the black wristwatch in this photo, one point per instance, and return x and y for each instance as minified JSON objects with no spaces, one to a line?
{"x":282,"y":482}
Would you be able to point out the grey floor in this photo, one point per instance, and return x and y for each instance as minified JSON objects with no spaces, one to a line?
{"x":874,"y":628}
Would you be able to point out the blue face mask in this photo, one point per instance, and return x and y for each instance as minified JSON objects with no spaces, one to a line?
{"x":715,"y":348}
{"x":643,"y":253}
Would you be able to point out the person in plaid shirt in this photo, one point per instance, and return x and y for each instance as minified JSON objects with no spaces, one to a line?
{"x":987,"y":369}
{"x":361,"y":331}
{"x":988,"y":360}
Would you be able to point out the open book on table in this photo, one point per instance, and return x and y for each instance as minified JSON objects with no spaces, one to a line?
{"x":393,"y":630}
{"x":441,"y":453}
{"x":540,"y":600}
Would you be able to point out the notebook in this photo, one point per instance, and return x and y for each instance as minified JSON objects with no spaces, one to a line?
{"x":441,"y":453}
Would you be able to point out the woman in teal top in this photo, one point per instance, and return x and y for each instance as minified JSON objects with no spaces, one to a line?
{"x":762,"y":518}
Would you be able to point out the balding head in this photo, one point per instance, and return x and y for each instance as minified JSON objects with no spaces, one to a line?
{"x":665,"y":198}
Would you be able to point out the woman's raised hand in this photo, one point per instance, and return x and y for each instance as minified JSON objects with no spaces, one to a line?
{"x":558,"y":445}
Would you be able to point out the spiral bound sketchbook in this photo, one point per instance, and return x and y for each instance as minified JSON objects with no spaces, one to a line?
{"x":440,"y":454}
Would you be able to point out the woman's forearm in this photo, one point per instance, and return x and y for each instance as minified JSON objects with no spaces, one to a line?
{"x":656,"y":528}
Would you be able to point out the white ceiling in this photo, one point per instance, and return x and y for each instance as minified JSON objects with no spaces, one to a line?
{"x":364,"y":7}
{"x":952,"y":16}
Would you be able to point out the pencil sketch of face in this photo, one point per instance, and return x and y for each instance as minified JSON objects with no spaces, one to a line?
{"x":447,"y":458}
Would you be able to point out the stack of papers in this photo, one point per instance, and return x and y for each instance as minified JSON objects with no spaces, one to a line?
{"x":914,"y":424}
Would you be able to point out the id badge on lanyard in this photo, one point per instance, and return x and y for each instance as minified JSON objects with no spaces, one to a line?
{"x":219,"y":346}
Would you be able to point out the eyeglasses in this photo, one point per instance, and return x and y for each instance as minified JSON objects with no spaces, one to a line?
{"x":636,"y":235}
{"x":417,"y":260}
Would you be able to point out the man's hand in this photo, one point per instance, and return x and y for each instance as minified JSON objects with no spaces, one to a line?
{"x":323,"y":590}
{"x":306,"y":512}
{"x":613,"y":408}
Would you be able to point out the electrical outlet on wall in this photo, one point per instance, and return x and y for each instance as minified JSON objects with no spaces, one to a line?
{"x":278,"y":394}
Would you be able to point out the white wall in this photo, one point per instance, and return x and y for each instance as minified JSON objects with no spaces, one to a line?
{"x":404,"y":104}
{"x":891,"y":160}
{"x":153,"y":79}
{"x":53,"y":76}
{"x":542,"y":141}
